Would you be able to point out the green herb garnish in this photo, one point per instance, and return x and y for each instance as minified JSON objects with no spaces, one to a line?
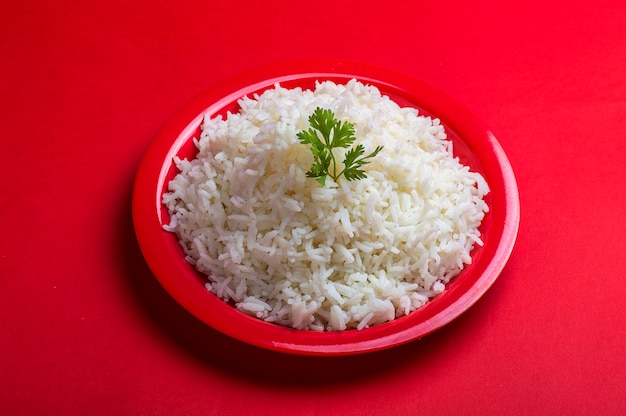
{"x":334,"y":135}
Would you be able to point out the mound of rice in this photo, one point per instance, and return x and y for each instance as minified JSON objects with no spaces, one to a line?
{"x":345,"y":256}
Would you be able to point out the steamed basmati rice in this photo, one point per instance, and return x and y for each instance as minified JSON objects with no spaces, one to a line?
{"x":345,"y":256}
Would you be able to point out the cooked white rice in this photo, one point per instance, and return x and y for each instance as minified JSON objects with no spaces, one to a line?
{"x":348,"y":255}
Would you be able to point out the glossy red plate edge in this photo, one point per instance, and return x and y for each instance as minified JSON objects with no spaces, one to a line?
{"x":475,"y":144}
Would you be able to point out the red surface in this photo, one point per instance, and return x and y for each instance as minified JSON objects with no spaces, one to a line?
{"x":86,"y":327}
{"x":474,"y":144}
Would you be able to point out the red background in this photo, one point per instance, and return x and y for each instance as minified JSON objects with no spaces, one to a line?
{"x":87,"y":329}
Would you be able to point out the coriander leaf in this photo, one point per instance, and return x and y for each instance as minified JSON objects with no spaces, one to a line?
{"x":326,"y":134}
{"x":352,"y":155}
{"x":324,"y":121}
{"x":353,"y":161}
{"x":343,"y":135}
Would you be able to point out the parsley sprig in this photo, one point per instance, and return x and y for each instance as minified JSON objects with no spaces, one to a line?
{"x":327,"y":134}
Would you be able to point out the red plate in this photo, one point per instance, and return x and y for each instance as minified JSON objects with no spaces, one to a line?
{"x":475,"y":145}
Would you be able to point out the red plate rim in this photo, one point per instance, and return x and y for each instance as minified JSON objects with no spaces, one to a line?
{"x":475,"y":144}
